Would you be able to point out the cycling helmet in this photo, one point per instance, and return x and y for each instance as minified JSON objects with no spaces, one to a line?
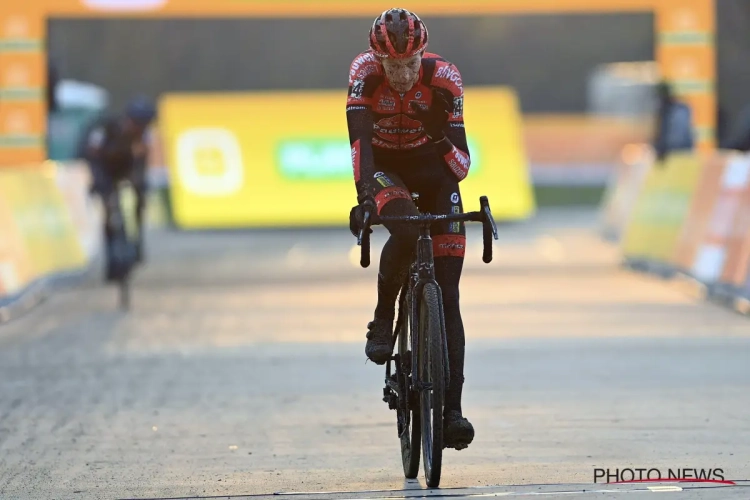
{"x":141,"y":110}
{"x":398,"y":34}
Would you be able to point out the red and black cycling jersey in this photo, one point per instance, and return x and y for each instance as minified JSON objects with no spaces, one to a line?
{"x":383,"y":127}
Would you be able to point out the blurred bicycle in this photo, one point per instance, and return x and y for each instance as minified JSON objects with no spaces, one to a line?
{"x":122,"y":251}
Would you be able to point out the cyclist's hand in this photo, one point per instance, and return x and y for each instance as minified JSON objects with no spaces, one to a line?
{"x":357,"y":216}
{"x":435,"y":117}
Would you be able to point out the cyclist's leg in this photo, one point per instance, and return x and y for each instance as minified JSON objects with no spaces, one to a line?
{"x":393,"y":199}
{"x":105,"y":186}
{"x":449,"y":245}
{"x":140,"y":188}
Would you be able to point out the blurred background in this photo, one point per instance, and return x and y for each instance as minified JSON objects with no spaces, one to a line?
{"x":583,"y":79}
{"x":613,"y":317}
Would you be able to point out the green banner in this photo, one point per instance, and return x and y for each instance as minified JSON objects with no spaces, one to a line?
{"x":329,"y":159}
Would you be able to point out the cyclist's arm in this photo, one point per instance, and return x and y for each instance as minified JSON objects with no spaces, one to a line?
{"x":453,"y":149}
{"x":360,"y":138}
{"x":106,"y":145}
{"x":364,"y":77}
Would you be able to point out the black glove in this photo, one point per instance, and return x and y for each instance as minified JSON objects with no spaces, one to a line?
{"x":357,"y":216}
{"x":435,"y":118}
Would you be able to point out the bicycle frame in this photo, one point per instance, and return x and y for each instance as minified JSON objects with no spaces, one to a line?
{"x":422,"y":270}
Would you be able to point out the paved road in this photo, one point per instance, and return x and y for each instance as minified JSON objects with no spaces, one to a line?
{"x":241,"y":371}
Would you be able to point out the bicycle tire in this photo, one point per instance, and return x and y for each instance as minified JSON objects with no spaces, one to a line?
{"x":431,"y":371}
{"x":124,"y":289}
{"x":410,"y":433}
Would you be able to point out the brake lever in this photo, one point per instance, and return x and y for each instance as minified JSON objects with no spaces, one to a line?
{"x":485,"y":204}
{"x":365,"y":227}
{"x":491,"y":220}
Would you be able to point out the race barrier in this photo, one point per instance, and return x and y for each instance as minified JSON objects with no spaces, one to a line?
{"x":623,"y":189}
{"x":691,"y":221}
{"x":49,"y":229}
{"x":283,"y":158}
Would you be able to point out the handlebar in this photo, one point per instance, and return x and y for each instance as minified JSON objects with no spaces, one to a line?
{"x":489,"y":228}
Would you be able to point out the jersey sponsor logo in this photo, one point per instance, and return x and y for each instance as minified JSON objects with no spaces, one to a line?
{"x":459,"y":162}
{"x":455,"y":227}
{"x":399,"y":128}
{"x":451,"y":74}
{"x":418,"y":95}
{"x":420,"y":104}
{"x":355,"y":108}
{"x":383,"y":180}
{"x":399,"y":147}
{"x":449,"y":245}
{"x":361,"y":62}
{"x":458,"y":106}
{"x":386,"y":103}
{"x":454,"y":166}
{"x":463,"y":159}
{"x":455,"y":198}
{"x":389,"y":194}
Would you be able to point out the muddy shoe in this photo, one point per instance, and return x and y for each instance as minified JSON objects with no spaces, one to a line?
{"x":379,"y":338}
{"x":458,"y":432}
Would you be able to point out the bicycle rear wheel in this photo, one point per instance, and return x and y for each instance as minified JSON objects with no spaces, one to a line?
{"x":408,"y":416}
{"x":431,"y":373}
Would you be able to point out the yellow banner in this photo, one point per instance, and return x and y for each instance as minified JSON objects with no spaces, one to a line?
{"x":39,"y":221}
{"x":15,"y":270}
{"x":283,"y":158}
{"x":662,"y":208}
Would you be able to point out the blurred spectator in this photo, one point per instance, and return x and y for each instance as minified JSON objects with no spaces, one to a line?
{"x":674,"y":123}
{"x":53,"y":78}
{"x":740,"y":138}
{"x":721,"y":126}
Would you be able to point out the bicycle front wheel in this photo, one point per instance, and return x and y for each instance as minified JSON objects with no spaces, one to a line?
{"x":431,"y":374}
{"x":408,"y":412}
{"x":124,"y":285}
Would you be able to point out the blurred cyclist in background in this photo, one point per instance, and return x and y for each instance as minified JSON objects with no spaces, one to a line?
{"x":406,"y":129}
{"x":116,"y":149}
{"x":674,"y":123}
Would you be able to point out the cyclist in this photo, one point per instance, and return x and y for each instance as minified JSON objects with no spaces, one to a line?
{"x":116,"y":149}
{"x":405,"y":119}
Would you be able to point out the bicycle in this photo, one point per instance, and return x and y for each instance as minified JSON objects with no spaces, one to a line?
{"x":123,"y":251}
{"x":416,"y":388}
